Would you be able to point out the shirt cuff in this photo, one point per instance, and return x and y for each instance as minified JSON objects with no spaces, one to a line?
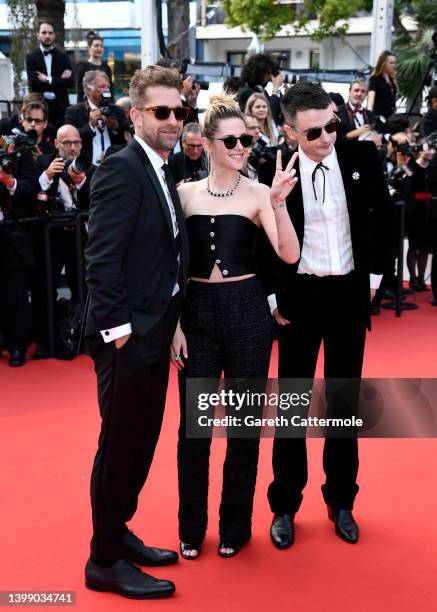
{"x":273,"y":304}
{"x":375,"y":281}
{"x":49,"y":80}
{"x":44,"y":181}
{"x":109,"y":335}
{"x":13,"y":188}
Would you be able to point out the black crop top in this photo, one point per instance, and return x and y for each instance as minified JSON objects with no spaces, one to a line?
{"x":226,"y":240}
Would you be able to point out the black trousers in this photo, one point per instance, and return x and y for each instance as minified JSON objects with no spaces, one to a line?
{"x":228,"y":327}
{"x":327,"y":309}
{"x":132,"y":386}
{"x":15,"y":312}
{"x":433,"y":231}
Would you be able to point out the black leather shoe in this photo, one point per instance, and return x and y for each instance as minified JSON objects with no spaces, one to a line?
{"x":125,"y":579}
{"x":40,"y":352}
{"x":17,"y":358}
{"x":137,"y":552}
{"x":434,"y":301}
{"x":282,"y":530}
{"x":345,"y":525}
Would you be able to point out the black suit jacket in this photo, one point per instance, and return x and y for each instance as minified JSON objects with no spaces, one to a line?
{"x":16,"y":249}
{"x":59,"y":86}
{"x":131,"y":254}
{"x":368,"y":203}
{"x":78,"y":114}
{"x":347,"y":120}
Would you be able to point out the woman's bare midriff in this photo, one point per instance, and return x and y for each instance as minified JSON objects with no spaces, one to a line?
{"x":217,"y":277}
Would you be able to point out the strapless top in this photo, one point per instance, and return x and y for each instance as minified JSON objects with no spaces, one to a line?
{"x":226,"y":240}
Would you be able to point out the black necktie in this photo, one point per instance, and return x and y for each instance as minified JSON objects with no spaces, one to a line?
{"x":48,"y":52}
{"x":320,"y":167}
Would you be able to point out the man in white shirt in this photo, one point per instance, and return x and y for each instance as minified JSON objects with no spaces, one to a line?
{"x":49,"y":73}
{"x":339,"y":210}
{"x":98,"y":130}
{"x":137,"y":259}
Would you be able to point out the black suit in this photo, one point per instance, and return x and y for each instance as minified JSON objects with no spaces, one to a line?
{"x":132,"y":267}
{"x":16,"y":254}
{"x":346,"y":116}
{"x":59,"y":86}
{"x":78,"y":115}
{"x":335,"y":309}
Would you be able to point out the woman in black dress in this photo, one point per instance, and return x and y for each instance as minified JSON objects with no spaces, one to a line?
{"x":383,"y":90}
{"x":94,"y":62}
{"x":226,"y":324}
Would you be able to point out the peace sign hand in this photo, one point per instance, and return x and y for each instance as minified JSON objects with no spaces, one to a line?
{"x":284,"y":180}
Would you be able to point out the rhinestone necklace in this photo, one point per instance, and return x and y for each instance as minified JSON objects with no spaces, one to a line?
{"x":223,"y":194}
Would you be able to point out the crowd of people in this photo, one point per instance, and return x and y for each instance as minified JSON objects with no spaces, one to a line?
{"x":44,"y":183}
{"x":247,"y":218}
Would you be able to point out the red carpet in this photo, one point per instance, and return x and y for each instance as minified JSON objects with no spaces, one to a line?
{"x":48,"y":431}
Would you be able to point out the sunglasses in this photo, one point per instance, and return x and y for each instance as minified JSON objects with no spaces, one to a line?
{"x":314,"y":133}
{"x":193,"y":146}
{"x":34,"y":120}
{"x":230,"y":142}
{"x":163,"y":112}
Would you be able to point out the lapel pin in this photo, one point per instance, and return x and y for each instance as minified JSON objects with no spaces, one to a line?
{"x":356,"y":176}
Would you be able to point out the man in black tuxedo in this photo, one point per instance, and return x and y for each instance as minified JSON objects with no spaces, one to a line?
{"x":49,"y":72}
{"x":98,"y":131}
{"x":137,"y":257}
{"x":17,"y":201}
{"x":339,"y":210}
{"x":357,"y":121}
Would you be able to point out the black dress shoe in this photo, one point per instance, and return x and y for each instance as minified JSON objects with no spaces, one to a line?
{"x":434,"y":301}
{"x":40,"y":352}
{"x":125,"y":579}
{"x":17,"y":358}
{"x":345,"y":525}
{"x":282,"y":530}
{"x":136,"y":552}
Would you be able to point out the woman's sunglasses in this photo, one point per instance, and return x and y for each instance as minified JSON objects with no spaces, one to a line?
{"x":230,"y":142}
{"x":314,"y":133}
{"x":163,"y":112}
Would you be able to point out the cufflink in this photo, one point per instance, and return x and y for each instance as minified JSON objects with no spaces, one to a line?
{"x":356,"y":176}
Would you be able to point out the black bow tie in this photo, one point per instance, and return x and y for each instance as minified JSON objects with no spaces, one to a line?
{"x":48,"y":52}
{"x":320,"y":166}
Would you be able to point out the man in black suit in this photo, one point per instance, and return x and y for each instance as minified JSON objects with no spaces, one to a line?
{"x":17,"y":201}
{"x":339,"y":210}
{"x":137,"y":257}
{"x":97,"y":130}
{"x":49,"y":72}
{"x":357,"y":121}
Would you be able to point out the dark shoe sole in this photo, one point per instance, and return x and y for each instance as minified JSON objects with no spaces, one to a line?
{"x":236,"y":550}
{"x":93,"y":586}
{"x":281,"y":546}
{"x":150,"y":564}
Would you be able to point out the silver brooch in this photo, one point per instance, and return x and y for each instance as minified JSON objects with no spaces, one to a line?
{"x":356,"y":176}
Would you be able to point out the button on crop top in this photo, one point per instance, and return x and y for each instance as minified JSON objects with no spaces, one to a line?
{"x":226,"y":240}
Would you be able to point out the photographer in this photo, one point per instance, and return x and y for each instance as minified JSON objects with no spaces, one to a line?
{"x":17,"y":196}
{"x":430,"y":120}
{"x":64,"y":188}
{"x":100,"y":122}
{"x":259,"y":70}
{"x":34,"y":116}
{"x":189,"y":164}
{"x":356,"y":121}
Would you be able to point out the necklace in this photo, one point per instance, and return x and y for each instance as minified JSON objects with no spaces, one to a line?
{"x":223,"y":194}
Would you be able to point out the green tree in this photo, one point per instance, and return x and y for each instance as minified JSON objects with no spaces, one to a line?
{"x":21,"y":17}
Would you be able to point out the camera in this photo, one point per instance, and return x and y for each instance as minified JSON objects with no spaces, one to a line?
{"x":10,"y":148}
{"x":107,"y":108}
{"x":49,"y":203}
{"x":261,"y":151}
{"x":281,"y":61}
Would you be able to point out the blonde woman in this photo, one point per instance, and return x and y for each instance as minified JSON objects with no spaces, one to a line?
{"x":258,"y":106}
{"x":226,"y":326}
{"x":383,"y":89}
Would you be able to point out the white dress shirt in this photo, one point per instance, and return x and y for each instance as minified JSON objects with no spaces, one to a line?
{"x":327,"y":243}
{"x":101,"y":140}
{"x":157,"y":163}
{"x":358,"y":117}
{"x":63,"y":190}
{"x":48,"y":95}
